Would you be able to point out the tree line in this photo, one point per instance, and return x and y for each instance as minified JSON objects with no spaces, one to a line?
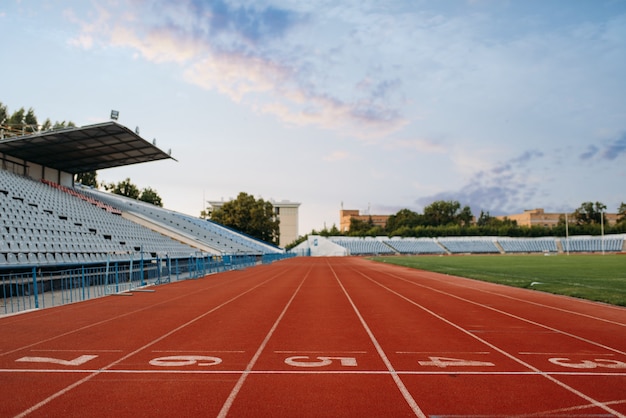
{"x":450,"y":218}
{"x":23,"y":121}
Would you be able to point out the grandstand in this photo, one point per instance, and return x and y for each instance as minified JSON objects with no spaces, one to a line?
{"x":57,"y":236}
{"x":203,"y":234}
{"x":471,"y":245}
{"x":361,"y":246}
{"x":589,"y":244}
{"x":415,"y":245}
{"x":528,"y":245}
{"x":459,"y":245}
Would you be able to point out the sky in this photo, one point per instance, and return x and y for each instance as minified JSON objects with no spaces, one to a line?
{"x":502,"y":105}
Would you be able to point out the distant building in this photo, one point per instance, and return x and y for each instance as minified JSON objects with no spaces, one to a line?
{"x":285,"y":211}
{"x":532,"y":217}
{"x":346,"y":215}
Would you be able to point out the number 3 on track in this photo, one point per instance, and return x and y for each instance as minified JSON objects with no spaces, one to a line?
{"x":588,"y":364}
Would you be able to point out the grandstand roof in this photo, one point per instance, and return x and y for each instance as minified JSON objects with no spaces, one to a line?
{"x":88,"y":148}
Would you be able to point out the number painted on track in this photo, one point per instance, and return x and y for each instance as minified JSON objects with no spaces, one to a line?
{"x":444,"y":362}
{"x":179,"y":361}
{"x":588,"y":364}
{"x":304,"y":361}
{"x":76,"y":362}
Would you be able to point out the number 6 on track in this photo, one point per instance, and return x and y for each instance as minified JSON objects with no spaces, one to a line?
{"x":180,"y":361}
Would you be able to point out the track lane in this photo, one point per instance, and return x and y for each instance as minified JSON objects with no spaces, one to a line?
{"x":505,"y":366}
{"x":519,"y":299}
{"x":320,"y":361}
{"x":159,"y":321}
{"x":497,"y":331}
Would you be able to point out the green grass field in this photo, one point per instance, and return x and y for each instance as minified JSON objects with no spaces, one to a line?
{"x":594,"y":277}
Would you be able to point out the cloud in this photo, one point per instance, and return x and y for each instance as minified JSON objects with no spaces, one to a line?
{"x":616,"y":148}
{"x":502,"y":189}
{"x":338,"y":156}
{"x":609,"y":150}
{"x":420,"y":145}
{"x":246,"y":53}
{"x":592,"y":150}
{"x":250,"y":23}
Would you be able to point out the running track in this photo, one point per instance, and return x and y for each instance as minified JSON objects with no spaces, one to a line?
{"x":318,"y":337}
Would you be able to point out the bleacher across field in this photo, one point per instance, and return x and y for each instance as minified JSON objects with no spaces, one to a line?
{"x":469,"y":245}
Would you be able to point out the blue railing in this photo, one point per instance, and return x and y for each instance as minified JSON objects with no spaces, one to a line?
{"x":37,"y":289}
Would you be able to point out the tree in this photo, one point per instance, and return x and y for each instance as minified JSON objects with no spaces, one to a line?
{"x":443,"y":212}
{"x":589,"y":213}
{"x":124,"y":188}
{"x":63,"y":125}
{"x":23,"y":122}
{"x":485,"y":219}
{"x":405,"y":218}
{"x":332,"y":232}
{"x":465,"y":217}
{"x":149,"y":195}
{"x":16,"y":121}
{"x":622,"y":213}
{"x":128,"y":189}
{"x":89,"y":179}
{"x":360,"y":227}
{"x":250,"y":216}
{"x":30,"y":121}
{"x":4,"y":114}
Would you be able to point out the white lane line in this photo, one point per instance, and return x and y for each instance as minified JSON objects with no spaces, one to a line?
{"x":548,"y":376}
{"x":564,"y":411}
{"x":111,"y":319}
{"x":318,"y":352}
{"x":443,"y":352}
{"x":396,"y":378}
{"x":588,"y":354}
{"x":151,"y":343}
{"x":233,"y":394}
{"x":198,"y":351}
{"x":586,"y":340}
{"x":582,"y":301}
{"x":76,"y":351}
{"x":310,"y":371}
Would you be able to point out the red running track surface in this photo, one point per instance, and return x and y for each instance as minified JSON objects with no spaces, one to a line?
{"x":318,"y":337}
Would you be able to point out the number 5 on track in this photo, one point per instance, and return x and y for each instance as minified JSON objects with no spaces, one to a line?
{"x":304,"y":361}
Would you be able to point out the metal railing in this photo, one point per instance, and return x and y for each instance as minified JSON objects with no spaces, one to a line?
{"x":36,"y":288}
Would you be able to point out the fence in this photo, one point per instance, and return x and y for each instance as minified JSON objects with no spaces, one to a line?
{"x":37,"y":288}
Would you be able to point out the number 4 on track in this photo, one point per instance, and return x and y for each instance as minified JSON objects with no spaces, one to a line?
{"x":444,"y":362}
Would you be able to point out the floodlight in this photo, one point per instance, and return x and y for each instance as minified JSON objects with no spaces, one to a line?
{"x":115,"y":114}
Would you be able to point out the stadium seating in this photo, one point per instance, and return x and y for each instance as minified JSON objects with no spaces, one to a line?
{"x":42,"y":224}
{"x":218,"y":237}
{"x":593,"y":243}
{"x":469,"y":245}
{"x":363,"y":246}
{"x":476,"y":245}
{"x":415,"y":245}
{"x":528,"y":245}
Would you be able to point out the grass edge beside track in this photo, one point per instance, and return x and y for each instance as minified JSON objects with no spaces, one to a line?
{"x":600,"y":278}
